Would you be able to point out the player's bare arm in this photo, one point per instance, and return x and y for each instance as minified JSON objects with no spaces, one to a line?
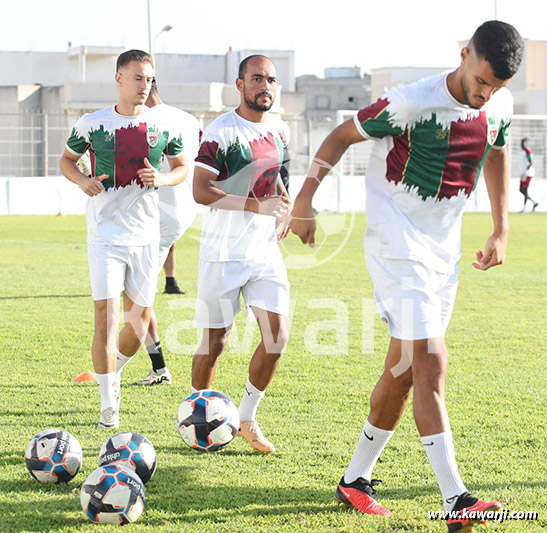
{"x":329,"y":153}
{"x":206,"y":193}
{"x":91,"y":186}
{"x":178,"y":171}
{"x":496,"y":176}
{"x":285,"y":220}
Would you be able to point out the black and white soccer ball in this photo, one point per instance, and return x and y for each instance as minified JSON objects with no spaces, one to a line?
{"x":131,"y":450}
{"x":207,"y":420}
{"x":113,"y":494}
{"x":53,"y":456}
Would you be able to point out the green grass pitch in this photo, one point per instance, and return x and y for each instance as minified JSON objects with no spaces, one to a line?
{"x":313,"y":411}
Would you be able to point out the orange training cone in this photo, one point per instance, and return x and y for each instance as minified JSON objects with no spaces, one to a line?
{"x":85,"y":376}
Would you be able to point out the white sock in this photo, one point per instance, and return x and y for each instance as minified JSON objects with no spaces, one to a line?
{"x":371,"y":444}
{"x":106,"y":390}
{"x":440,"y":452}
{"x":121,"y":361}
{"x":161,"y":371}
{"x":249,"y":402}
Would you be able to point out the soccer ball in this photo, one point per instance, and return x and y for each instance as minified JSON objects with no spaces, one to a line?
{"x":112,"y":494}
{"x":207,"y":420}
{"x":132,"y":450}
{"x":53,"y":456}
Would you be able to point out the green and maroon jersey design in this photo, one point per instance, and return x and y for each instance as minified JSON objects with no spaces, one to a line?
{"x":119,"y":144}
{"x":427,"y":156}
{"x":432,"y":157}
{"x":246,"y":156}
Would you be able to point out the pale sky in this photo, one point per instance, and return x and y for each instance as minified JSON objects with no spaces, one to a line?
{"x":363,"y":33}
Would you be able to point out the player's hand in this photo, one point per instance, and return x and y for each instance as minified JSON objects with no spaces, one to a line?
{"x":303,"y":222}
{"x":93,"y":186}
{"x":274,"y":206}
{"x":282,"y":223}
{"x":149,"y":176}
{"x":495,"y":251}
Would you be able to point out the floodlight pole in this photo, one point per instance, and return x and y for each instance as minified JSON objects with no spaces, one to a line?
{"x":149,"y":31}
{"x":165,"y":29}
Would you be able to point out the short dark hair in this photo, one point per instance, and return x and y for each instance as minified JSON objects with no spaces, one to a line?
{"x":133,"y":55}
{"x":154,"y":87}
{"x":501,"y":45}
{"x":243,"y":64}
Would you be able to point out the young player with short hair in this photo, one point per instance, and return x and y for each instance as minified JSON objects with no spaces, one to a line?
{"x":127,"y":143}
{"x":432,"y":138}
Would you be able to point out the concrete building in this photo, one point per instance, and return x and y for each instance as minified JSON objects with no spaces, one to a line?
{"x":320,"y":99}
{"x":384,"y":78}
{"x":43,"y":93}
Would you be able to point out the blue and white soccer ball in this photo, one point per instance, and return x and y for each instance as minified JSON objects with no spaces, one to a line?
{"x":131,"y":450}
{"x":53,"y":456}
{"x":113,"y":494}
{"x":207,"y":420}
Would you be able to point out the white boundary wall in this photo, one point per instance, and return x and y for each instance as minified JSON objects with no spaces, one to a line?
{"x":55,"y":194}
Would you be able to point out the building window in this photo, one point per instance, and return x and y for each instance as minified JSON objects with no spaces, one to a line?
{"x":351,"y":99}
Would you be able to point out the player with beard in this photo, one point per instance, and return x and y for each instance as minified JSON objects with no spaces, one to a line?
{"x":237,"y":176}
{"x":432,"y":139}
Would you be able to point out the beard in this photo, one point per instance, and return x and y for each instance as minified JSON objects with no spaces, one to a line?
{"x":255,"y":106}
{"x":467,"y":96}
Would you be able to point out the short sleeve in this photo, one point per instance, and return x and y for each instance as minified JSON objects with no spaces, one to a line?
{"x":174,"y":147}
{"x":503,"y":136}
{"x":385,"y":117}
{"x":210,"y":156}
{"x":78,"y":141}
{"x":505,"y":109}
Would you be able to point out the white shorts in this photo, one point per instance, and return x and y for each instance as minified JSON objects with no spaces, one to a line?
{"x":129,"y":269}
{"x":166,"y":241}
{"x":263,"y":285}
{"x":414,"y":300}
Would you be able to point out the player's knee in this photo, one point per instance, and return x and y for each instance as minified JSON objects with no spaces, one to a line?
{"x":278,"y":341}
{"x":402,"y":384}
{"x":405,"y":383}
{"x":217,"y":344}
{"x":431,"y":378}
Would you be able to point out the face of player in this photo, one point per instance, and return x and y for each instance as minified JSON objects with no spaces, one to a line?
{"x":478,"y":82}
{"x":134,"y":81}
{"x":259,"y":85}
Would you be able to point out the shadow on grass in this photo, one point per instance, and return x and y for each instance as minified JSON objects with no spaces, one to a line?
{"x":39,"y":507}
{"x":185,"y":450}
{"x":36,"y":296}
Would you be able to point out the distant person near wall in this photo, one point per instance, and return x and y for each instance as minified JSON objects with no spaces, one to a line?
{"x":527,"y":172}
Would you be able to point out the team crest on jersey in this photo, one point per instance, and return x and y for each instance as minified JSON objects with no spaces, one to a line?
{"x":152,"y":137}
{"x":492,"y":133}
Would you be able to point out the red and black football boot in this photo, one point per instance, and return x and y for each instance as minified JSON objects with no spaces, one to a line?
{"x":471,"y":512}
{"x":360,"y":495}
